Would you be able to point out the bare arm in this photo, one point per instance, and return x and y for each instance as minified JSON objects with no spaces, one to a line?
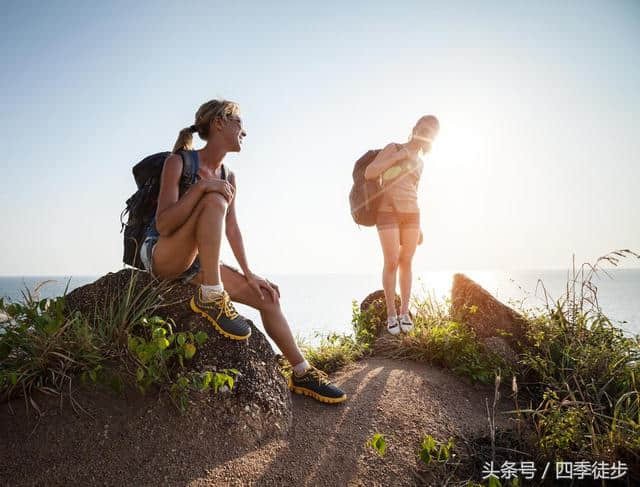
{"x":232,"y":231}
{"x":386,"y":158}
{"x":234,"y":236}
{"x":173,"y":211}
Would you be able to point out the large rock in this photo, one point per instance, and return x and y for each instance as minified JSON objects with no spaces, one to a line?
{"x":135,"y":439}
{"x":471,"y":304}
{"x":501,"y":347}
{"x":375,"y":306}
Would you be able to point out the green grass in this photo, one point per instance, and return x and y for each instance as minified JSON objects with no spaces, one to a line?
{"x":333,"y":351}
{"x":45,"y":348}
{"x":435,"y":339}
{"x":583,"y":374}
{"x":577,"y":369}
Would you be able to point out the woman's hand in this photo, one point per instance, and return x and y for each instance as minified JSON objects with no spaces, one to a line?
{"x":407,"y":152}
{"x":258,"y":284}
{"x":403,"y":153}
{"x":217,"y":186}
{"x":385,"y":159}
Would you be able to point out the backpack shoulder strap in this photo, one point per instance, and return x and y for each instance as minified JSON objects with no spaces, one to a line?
{"x":231,"y":177}
{"x":189,"y":167}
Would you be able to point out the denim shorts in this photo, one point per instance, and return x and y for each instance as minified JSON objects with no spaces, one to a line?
{"x":146,"y":256}
{"x":390,"y":219}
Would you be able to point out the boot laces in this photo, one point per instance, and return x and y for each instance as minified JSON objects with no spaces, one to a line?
{"x":224,"y":303}
{"x":322,"y":377}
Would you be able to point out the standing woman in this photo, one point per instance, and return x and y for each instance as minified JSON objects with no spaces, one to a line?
{"x":183,"y":241}
{"x":399,"y":166}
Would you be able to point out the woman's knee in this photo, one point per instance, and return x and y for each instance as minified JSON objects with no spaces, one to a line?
{"x":213,"y":201}
{"x":404,"y":260}
{"x":269,"y":304}
{"x":391,"y":263}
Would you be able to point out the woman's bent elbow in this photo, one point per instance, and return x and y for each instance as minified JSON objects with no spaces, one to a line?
{"x":162,"y":229}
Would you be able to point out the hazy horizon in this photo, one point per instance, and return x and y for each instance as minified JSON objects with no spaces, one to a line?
{"x":372,"y":273}
{"x":304,"y":297}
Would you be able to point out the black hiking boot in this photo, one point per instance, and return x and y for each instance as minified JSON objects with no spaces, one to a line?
{"x":316,"y":384}
{"x":222,"y":315}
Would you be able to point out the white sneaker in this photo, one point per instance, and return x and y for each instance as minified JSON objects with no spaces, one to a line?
{"x":393,"y":326}
{"x":406,"y":325}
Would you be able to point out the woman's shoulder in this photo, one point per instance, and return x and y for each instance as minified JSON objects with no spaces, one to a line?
{"x":174,"y":158}
{"x":173,"y":165}
{"x":390,"y":148}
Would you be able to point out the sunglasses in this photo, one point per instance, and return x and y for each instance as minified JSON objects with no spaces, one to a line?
{"x":422,"y":138}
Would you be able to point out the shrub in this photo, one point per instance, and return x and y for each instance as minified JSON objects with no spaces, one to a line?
{"x":42,"y":348}
{"x":583,"y":371}
{"x":45,"y":348}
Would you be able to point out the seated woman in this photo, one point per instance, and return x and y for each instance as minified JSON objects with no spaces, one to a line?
{"x":399,"y":166}
{"x":183,"y":240}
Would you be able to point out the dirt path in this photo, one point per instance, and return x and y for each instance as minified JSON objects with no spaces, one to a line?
{"x":326,"y":445}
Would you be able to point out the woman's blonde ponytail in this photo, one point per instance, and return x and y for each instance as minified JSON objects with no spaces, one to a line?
{"x":185,"y":139}
{"x":204,"y":116}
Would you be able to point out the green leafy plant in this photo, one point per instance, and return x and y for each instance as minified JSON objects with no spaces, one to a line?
{"x":158,"y":350}
{"x":42,"y":348}
{"x":364,"y":326}
{"x":155,"y":346}
{"x":378,"y":443}
{"x":201,"y":382}
{"x":431,"y":449}
{"x":46,"y":348}
{"x":583,"y":372}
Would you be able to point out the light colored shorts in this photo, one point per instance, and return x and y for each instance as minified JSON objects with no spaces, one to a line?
{"x":390,"y":219}
{"x":146,"y":256}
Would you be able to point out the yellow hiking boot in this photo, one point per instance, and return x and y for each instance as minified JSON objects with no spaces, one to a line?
{"x":222,"y":315}
{"x":316,"y":384}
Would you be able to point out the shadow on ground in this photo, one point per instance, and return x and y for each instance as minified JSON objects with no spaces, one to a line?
{"x":132,"y":442}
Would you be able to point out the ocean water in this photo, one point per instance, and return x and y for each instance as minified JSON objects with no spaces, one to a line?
{"x":322,"y":303}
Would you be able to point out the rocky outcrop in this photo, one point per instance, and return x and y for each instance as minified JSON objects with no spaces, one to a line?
{"x":488,"y":317}
{"x":501,"y":347}
{"x":375,"y":306}
{"x":132,"y":439}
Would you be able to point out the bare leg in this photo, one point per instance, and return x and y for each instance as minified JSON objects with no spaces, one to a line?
{"x":209,"y":238}
{"x":273,"y":320}
{"x":201,"y":234}
{"x":410,"y":238}
{"x":390,"y":240}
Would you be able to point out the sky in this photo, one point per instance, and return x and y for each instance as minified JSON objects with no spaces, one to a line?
{"x":537,"y":158}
